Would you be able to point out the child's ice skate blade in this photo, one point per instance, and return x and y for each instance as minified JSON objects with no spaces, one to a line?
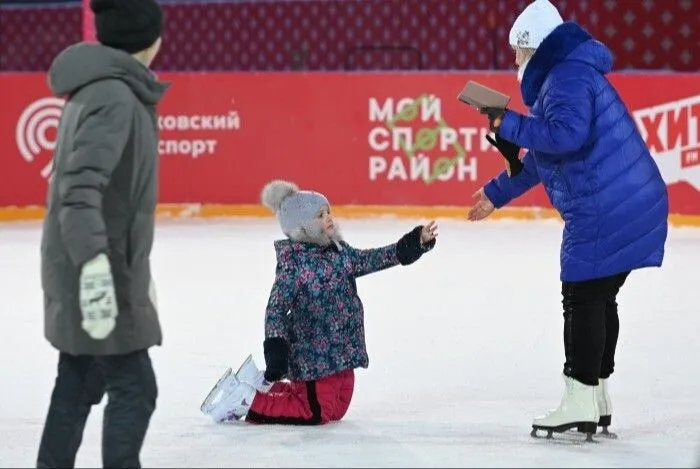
{"x":226,"y":380}
{"x":231,"y":398}
{"x":249,"y":373}
{"x":231,"y":402}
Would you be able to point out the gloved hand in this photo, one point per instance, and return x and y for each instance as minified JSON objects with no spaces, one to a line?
{"x":276,"y":352}
{"x":495,"y":116}
{"x":98,"y":302}
{"x":410,"y":248}
{"x":510,"y":152}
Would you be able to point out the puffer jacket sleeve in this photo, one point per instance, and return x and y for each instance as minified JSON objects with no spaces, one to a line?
{"x":568,"y":100}
{"x":368,"y":261}
{"x":503,"y":188}
{"x":284,"y":291}
{"x":100,"y":139}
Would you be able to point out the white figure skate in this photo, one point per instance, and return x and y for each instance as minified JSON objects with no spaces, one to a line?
{"x":249,"y":373}
{"x":578,"y":409}
{"x":231,"y":397}
{"x":604,"y":407}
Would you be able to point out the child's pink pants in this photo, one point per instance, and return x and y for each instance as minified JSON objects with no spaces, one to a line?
{"x":304,"y":402}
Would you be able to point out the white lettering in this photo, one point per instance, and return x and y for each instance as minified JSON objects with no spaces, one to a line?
{"x":463,"y":169}
{"x":230,"y":121}
{"x":167,"y":123}
{"x":397,"y":170}
{"x":215,"y":122}
{"x":420,"y":168}
{"x":448,"y":137}
{"x":405,"y":109}
{"x":233,"y":121}
{"x":383,"y":113}
{"x":469,"y":133}
{"x":183,"y":122}
{"x":430,"y":108}
{"x":377,"y":165}
{"x":193,"y":148}
{"x":485,"y":145}
{"x":401,"y":139}
{"x":373,"y":136}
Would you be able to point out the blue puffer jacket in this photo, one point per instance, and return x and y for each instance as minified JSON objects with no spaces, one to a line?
{"x":586,"y":150}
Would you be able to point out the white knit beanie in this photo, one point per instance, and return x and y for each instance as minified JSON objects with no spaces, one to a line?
{"x":534,"y":24}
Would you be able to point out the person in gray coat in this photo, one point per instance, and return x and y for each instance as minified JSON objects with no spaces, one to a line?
{"x":99,"y":300}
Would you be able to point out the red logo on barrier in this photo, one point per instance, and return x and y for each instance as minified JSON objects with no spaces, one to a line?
{"x":672,"y":133}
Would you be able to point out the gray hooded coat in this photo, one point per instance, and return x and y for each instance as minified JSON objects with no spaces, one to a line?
{"x":102,"y":196}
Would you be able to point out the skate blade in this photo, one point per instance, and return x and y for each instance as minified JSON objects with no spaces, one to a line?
{"x":264,"y":386}
{"x":245,"y":362}
{"x":215,"y":394}
{"x":604,"y":432}
{"x":561,"y":430}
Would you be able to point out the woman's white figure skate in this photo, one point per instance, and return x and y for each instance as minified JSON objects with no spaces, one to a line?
{"x":578,"y":409}
{"x":604,"y":408}
{"x":230,"y":399}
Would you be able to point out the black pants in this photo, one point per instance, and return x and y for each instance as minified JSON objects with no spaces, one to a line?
{"x":591,"y":327}
{"x":82,"y":381}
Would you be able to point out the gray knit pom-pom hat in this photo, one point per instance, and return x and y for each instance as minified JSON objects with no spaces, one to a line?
{"x":296,"y":210}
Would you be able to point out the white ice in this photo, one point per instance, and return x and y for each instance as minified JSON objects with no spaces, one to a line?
{"x":465,"y":349}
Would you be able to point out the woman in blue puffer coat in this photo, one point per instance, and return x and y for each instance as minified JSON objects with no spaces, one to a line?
{"x":585,"y":149}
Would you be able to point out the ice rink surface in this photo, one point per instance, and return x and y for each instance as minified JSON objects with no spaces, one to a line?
{"x":465,"y":349}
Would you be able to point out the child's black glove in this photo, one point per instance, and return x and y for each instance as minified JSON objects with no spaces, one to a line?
{"x":510,"y":152}
{"x":276,"y":358}
{"x":409,"y":248}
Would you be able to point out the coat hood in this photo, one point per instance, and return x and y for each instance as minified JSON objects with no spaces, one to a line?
{"x":85,"y":63}
{"x":567,"y":42}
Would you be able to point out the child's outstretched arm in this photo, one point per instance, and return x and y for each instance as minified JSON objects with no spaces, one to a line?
{"x":406,"y":251}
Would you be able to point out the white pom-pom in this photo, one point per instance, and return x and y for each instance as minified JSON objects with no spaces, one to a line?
{"x":274,"y":193}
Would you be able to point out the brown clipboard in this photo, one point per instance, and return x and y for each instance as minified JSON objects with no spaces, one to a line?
{"x":479,"y":96}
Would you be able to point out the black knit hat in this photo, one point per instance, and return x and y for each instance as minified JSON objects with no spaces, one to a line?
{"x":129,"y":25}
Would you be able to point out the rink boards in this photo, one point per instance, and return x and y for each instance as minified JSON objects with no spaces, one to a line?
{"x":378,"y":144}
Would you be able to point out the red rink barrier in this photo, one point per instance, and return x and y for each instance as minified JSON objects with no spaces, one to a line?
{"x":374,"y":142}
